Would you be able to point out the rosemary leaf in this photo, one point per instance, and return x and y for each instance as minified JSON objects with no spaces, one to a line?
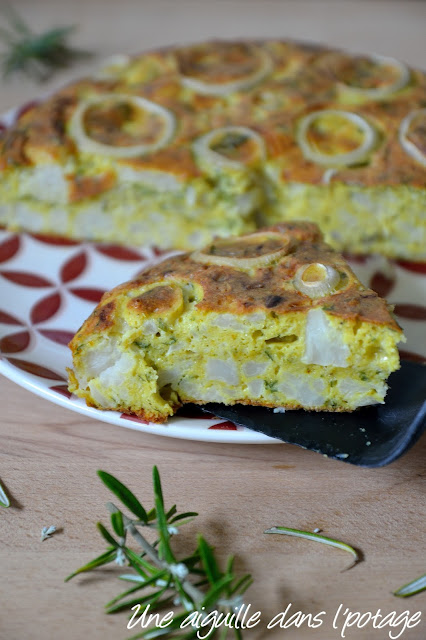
{"x":230,"y":564}
{"x":4,"y":500}
{"x":216,"y":591}
{"x":139,"y":563}
{"x":410,"y":589}
{"x":164,"y":550}
{"x":187,"y":600}
{"x":307,"y":535}
{"x":171,"y":512}
{"x":130,"y":577}
{"x":124,"y":494}
{"x":117,"y":523}
{"x":145,"y":583}
{"x":106,"y":534}
{"x":241,"y":585}
{"x":105,"y":558}
{"x":157,"y":632}
{"x":151,"y":515}
{"x":158,"y":491}
{"x":113,"y":607}
{"x":154,"y":600}
{"x":187,"y":517}
{"x":208,"y":560}
{"x":36,"y":55}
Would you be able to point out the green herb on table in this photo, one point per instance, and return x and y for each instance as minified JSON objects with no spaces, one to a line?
{"x":308,"y":535}
{"x":410,"y":589}
{"x":36,"y":55}
{"x":189,"y":584}
{"x":4,"y":500}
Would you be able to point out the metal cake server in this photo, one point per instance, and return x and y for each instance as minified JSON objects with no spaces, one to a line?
{"x":369,"y":437}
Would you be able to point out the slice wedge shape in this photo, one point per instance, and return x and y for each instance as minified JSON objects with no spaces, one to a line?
{"x":237,"y":322}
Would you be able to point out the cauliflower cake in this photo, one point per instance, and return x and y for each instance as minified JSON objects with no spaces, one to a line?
{"x":273,"y":318}
{"x":177,"y":146}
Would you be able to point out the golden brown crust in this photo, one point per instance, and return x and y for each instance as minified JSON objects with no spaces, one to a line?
{"x":101,"y":318}
{"x":154,"y":301}
{"x":302,"y":78}
{"x":226,"y":289}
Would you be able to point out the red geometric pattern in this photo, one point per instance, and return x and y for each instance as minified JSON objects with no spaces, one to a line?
{"x":382,"y":284}
{"x":118,"y":253}
{"x":411,"y":311}
{"x":15,"y":343}
{"x":35,"y":369}
{"x":414,"y":267}
{"x":74,"y":267}
{"x":62,"y":389}
{"x":224,"y":426}
{"x":6,"y":318}
{"x":55,"y":241}
{"x":25,"y":279}
{"x":60,"y":337}
{"x":91,"y":295}
{"x":9,"y":248}
{"x":45,"y":308}
{"x":133,"y":418}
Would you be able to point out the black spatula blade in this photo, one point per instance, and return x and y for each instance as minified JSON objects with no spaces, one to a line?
{"x":369,"y":437}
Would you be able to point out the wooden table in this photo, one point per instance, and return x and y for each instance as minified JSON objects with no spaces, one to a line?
{"x":49,"y":456}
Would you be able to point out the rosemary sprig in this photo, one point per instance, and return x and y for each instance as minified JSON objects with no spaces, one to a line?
{"x":308,"y":535}
{"x":4,"y":500}
{"x":194,"y":583}
{"x":413,"y":587}
{"x":36,"y":55}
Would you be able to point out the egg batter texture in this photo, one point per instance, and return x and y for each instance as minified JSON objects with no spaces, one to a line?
{"x":178,"y":146}
{"x":273,"y":318}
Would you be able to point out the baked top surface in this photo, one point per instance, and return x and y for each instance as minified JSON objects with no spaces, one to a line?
{"x":267,"y":86}
{"x":244,"y":289}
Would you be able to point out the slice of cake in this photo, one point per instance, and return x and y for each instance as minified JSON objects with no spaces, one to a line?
{"x":273,"y":318}
{"x":178,"y":146}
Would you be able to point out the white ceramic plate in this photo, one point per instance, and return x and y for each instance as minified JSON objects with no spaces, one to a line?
{"x":48,"y":287}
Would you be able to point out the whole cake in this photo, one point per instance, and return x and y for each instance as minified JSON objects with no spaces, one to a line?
{"x":273,"y":318}
{"x":178,"y":146}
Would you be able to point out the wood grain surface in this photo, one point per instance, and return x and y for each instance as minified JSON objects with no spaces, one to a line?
{"x":49,"y":456}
